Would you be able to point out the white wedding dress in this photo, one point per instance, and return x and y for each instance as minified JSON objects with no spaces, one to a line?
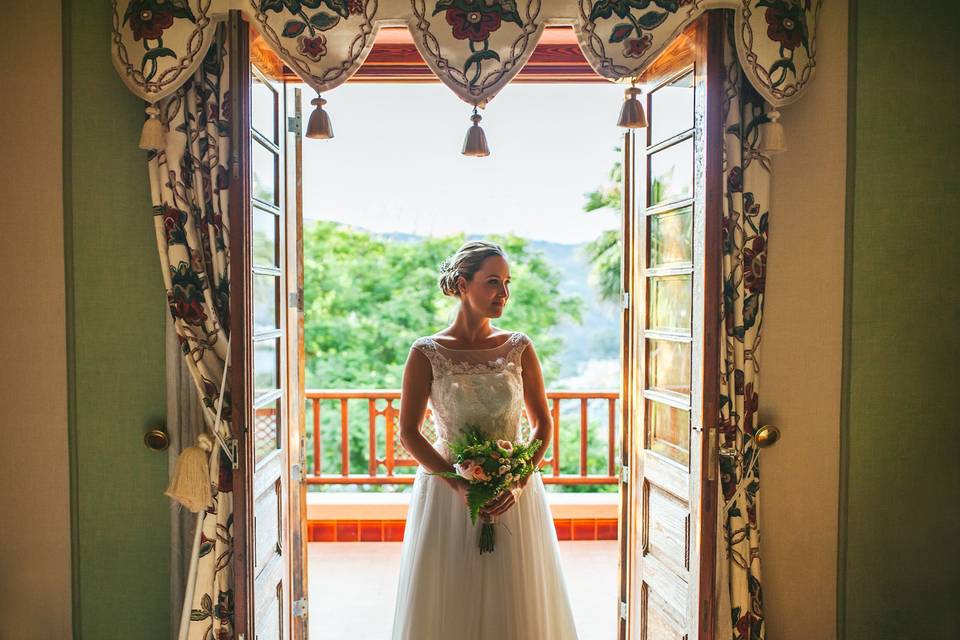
{"x":447,"y":589}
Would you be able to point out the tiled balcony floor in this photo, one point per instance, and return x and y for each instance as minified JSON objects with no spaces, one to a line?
{"x":353,"y":588}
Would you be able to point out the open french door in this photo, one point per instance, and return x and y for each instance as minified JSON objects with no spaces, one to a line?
{"x":266,"y":346}
{"x":671,"y":277}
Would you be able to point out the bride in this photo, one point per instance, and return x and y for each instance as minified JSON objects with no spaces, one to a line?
{"x":475,"y":374}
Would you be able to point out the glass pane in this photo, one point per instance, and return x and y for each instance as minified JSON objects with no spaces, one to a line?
{"x":264,"y":238}
{"x":266,"y":365}
{"x":266,"y":288}
{"x":264,"y":108}
{"x":671,"y":109}
{"x":671,"y":173}
{"x":670,"y":303}
{"x":266,"y":430}
{"x":668,"y":431}
{"x":668,"y":364}
{"x":264,"y":174}
{"x":671,"y":238}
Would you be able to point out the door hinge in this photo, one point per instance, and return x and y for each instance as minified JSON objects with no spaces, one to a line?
{"x":300,"y":608}
{"x":624,"y":473}
{"x":712,"y":448}
{"x":295,"y":125}
{"x":234,"y":453}
{"x":296,"y":473}
{"x":295,"y":299}
{"x":626,"y":300}
{"x":623,"y":610}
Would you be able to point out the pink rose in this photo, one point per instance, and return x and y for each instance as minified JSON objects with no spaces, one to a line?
{"x":506,"y":445}
{"x":471,"y":470}
{"x":465,"y":469}
{"x":479,"y":474}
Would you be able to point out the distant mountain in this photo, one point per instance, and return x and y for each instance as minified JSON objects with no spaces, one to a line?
{"x":597,"y":338}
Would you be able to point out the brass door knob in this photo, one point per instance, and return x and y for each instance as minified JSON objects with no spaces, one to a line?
{"x":156,"y":439}
{"x":767,"y":436}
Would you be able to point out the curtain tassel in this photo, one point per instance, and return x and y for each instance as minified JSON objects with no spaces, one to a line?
{"x":773,"y":139}
{"x":475,"y":144}
{"x":190,"y":484}
{"x":151,"y":136}
{"x":319,"y":126}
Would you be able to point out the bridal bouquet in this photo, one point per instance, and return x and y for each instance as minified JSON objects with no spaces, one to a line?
{"x":490,"y":466}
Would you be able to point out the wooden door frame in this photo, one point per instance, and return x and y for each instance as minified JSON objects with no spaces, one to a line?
{"x":241,"y":322}
{"x":295,"y":406}
{"x":710,"y":57}
{"x":291,"y":308}
{"x":702,"y":44}
{"x":709,"y":51}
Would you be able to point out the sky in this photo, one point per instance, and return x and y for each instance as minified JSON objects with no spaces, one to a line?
{"x":395,"y":165}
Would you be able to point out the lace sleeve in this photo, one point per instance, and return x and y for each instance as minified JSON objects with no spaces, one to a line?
{"x":427,"y":347}
{"x":518,"y":342}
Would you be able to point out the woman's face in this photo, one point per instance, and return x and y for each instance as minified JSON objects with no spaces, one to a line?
{"x":489,"y":289}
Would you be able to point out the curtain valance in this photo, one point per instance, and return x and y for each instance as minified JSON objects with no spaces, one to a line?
{"x":474,"y":46}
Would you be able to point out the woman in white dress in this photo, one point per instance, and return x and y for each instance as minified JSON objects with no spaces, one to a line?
{"x":474,"y":374}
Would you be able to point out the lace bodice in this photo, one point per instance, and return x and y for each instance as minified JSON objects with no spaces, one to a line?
{"x":475,"y":388}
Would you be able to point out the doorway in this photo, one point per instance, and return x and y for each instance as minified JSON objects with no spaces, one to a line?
{"x":661,"y":469}
{"x":553,"y":204}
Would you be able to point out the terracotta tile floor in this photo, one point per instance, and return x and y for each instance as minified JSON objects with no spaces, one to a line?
{"x":353,"y":587}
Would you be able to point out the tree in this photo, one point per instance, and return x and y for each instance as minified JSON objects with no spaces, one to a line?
{"x":604,"y":252}
{"x":368,"y":297}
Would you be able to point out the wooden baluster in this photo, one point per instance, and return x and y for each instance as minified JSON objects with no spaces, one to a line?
{"x":344,"y":438}
{"x":583,"y":437}
{"x":556,"y":437}
{"x":390,"y":453}
{"x":317,"y":460}
{"x":611,"y":435}
{"x":372,"y":411}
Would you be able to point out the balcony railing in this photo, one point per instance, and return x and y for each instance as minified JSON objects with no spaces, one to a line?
{"x":389,"y":463}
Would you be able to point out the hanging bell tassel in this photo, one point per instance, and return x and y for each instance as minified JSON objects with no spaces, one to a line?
{"x":631,"y":113}
{"x":190,"y":485}
{"x":773,"y":138}
{"x":475,"y":144}
{"x":151,"y":136}
{"x":319,"y":127}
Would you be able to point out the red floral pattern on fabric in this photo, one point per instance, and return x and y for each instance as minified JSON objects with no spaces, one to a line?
{"x":744,"y":225}
{"x":472,"y":25}
{"x":189,"y":185}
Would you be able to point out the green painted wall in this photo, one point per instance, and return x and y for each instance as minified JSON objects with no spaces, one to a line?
{"x":899,"y":518}
{"x":115,"y":341}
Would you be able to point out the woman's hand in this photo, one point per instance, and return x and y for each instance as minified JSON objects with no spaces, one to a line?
{"x":502,"y":503}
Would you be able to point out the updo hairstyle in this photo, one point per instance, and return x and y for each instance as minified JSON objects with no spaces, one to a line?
{"x":465,"y":262}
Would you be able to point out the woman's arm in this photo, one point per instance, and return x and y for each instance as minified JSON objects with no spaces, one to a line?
{"x":535,"y":399}
{"x":417,"y":376}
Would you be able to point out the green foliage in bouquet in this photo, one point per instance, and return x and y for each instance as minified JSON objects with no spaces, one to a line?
{"x":490,"y":466}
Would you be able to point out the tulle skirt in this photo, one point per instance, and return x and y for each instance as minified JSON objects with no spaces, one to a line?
{"x":449,"y":591}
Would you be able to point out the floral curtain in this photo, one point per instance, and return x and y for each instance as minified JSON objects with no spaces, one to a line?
{"x":475,"y":48}
{"x":189,"y":184}
{"x":746,"y":208}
